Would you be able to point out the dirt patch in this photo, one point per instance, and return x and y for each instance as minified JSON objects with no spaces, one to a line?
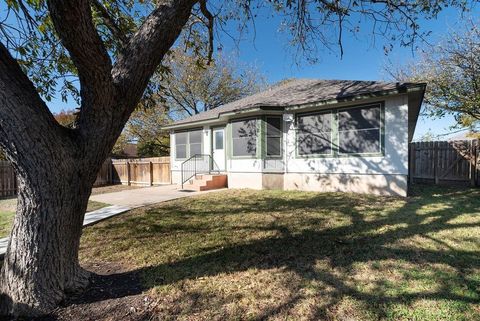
{"x":115,"y":293}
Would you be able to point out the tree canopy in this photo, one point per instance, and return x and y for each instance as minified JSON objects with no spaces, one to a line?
{"x":27,"y":30}
{"x":452,"y":70}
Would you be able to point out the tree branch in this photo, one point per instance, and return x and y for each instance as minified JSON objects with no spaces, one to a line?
{"x":210,"y":25}
{"x":110,"y":23}
{"x":22,"y":109}
{"x":147,"y":48}
{"x":73,"y":22}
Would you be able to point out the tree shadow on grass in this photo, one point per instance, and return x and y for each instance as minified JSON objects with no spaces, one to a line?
{"x":364,"y":240}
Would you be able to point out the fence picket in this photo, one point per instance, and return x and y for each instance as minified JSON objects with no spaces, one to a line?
{"x":145,"y":171}
{"x":449,"y":162}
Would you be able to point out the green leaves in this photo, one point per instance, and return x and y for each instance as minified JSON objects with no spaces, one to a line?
{"x":452,"y":71}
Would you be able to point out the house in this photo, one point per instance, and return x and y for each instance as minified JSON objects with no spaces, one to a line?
{"x":312,"y":135}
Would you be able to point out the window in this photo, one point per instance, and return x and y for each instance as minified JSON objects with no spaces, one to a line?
{"x":274,"y":136}
{"x":244,"y":137}
{"x":195,"y":142}
{"x":219,"y":139}
{"x":181,"y":145}
{"x":188,"y":144}
{"x":359,"y":130}
{"x":314,"y":134}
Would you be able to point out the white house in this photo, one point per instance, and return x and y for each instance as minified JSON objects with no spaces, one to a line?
{"x":312,"y":135}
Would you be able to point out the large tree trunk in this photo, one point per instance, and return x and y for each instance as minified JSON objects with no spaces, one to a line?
{"x":56,"y":167}
{"x":41,"y":264}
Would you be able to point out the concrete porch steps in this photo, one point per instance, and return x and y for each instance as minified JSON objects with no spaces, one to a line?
{"x":204,"y":182}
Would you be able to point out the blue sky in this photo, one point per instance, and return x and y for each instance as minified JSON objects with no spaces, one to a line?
{"x":363,"y":59}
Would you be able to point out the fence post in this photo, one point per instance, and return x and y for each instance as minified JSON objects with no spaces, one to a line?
{"x":150,"y":171}
{"x":128,"y":173}
{"x":473,"y":163}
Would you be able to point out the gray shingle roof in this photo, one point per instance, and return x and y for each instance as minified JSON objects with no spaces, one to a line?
{"x":298,"y":92}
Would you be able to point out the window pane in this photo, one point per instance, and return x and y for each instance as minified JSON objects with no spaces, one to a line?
{"x":274,"y":126}
{"x":195,"y":136}
{"x":309,"y":143}
{"x":360,"y":141}
{"x":244,"y":146}
{"x":244,"y":137}
{"x":195,"y":149}
{"x":181,"y":151}
{"x":219,"y":140}
{"x":314,"y":134}
{"x":315,"y":123}
{"x":359,"y":118}
{"x":244,"y":128}
{"x":181,"y":138}
{"x":273,"y":146}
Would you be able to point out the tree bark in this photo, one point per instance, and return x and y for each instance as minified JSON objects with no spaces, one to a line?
{"x":56,"y":167}
{"x":41,"y":264}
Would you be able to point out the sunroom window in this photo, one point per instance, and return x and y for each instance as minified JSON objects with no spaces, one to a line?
{"x":181,"y":145}
{"x":359,"y":130}
{"x":188,"y":143}
{"x":274,"y":136}
{"x":244,"y":137}
{"x":314,"y":134}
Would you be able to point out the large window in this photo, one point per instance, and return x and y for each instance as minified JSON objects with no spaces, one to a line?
{"x":181,"y":145}
{"x":274,"y":136}
{"x":195,"y":142}
{"x":359,"y":130}
{"x":314,"y":134}
{"x":244,"y":137}
{"x":188,"y":144}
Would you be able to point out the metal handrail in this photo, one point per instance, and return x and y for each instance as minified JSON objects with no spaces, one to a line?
{"x":190,"y":167}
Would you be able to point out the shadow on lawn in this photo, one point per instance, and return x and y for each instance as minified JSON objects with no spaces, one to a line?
{"x":342,"y":247}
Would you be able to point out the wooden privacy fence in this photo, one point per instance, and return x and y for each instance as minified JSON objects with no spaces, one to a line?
{"x":447,"y":162}
{"x":142,"y":171}
{"x":8,"y":181}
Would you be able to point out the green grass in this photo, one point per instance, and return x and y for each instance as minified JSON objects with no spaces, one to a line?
{"x":242,"y":255}
{"x":7,"y":212}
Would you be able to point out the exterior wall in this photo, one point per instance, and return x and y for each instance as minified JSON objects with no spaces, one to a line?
{"x":245,"y":180}
{"x":378,"y":184}
{"x":384,"y":174}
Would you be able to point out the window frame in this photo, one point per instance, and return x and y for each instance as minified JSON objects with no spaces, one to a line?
{"x":187,"y":144}
{"x":381,"y":129}
{"x":265,"y":138}
{"x":335,"y":139}
{"x":332,"y":133}
{"x":257,"y":141}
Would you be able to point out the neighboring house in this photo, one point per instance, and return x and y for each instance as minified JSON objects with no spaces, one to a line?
{"x":312,"y":135}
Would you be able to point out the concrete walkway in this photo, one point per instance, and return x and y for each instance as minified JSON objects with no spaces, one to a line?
{"x":124,"y":201}
{"x":143,"y":196}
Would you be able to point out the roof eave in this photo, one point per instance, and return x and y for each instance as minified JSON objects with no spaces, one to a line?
{"x":407,"y":88}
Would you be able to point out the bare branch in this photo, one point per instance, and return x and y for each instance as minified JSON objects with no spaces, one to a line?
{"x":210,"y":25}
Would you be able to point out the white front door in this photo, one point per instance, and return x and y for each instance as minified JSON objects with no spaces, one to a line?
{"x":218,"y":149}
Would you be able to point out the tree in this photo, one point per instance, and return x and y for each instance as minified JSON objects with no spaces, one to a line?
{"x":66,"y":118}
{"x":186,"y":87}
{"x":190,"y":87}
{"x":112,"y":49}
{"x":145,"y":128}
{"x":452,"y":71}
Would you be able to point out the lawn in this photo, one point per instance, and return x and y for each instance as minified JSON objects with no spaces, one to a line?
{"x":8,"y":207}
{"x":275,"y":255}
